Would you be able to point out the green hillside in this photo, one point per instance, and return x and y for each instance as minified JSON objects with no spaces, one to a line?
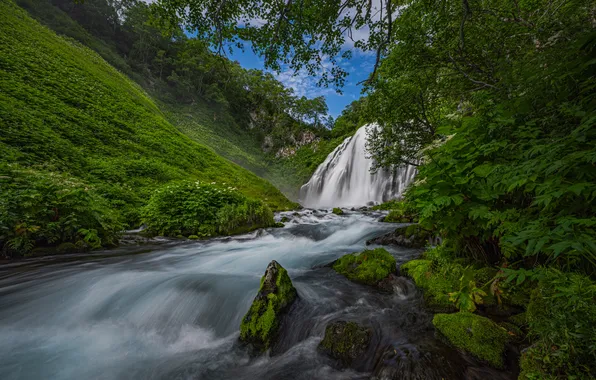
{"x":64,"y":110}
{"x":209,"y":98}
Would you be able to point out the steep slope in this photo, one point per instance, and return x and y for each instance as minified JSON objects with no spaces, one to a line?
{"x":223,"y":127}
{"x":66,"y":110}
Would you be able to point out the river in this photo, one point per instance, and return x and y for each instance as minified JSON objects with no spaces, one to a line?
{"x":174,"y":312}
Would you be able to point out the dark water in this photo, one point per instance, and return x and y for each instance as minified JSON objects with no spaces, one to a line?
{"x":174,"y":313}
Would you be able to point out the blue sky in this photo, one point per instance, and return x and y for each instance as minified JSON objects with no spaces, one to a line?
{"x":358,"y":68}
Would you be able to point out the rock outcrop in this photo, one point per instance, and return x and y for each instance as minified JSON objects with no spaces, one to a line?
{"x":260,"y":325}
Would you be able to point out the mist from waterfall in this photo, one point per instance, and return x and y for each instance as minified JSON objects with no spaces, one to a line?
{"x":345,"y":178}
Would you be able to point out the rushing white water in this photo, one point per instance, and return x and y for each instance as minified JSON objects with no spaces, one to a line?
{"x":345,"y":178}
{"x":175,"y":312}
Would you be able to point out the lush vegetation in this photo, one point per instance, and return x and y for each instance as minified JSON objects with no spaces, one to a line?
{"x":367,"y":267}
{"x":193,"y":209}
{"x":495,"y":102}
{"x":246,"y":116}
{"x":83,"y":147}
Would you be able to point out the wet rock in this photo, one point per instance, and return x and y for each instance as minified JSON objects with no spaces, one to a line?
{"x":395,"y":284}
{"x":368,"y":267}
{"x":408,"y":362}
{"x":412,"y":236}
{"x":260,"y":324}
{"x":477,"y":335}
{"x":345,"y":341}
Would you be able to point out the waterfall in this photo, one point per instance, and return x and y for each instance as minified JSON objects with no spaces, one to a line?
{"x":345,"y":180}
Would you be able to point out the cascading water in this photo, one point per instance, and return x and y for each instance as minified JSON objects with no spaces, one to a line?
{"x":345,"y":178}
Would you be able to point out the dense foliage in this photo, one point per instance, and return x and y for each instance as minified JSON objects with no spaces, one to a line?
{"x":194,"y":209}
{"x":41,"y":208}
{"x":70,"y":122}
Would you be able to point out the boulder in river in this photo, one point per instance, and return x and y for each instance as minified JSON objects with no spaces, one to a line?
{"x":412,"y":236}
{"x":367,"y":267}
{"x":409,"y":362}
{"x":259,"y":326}
{"x":345,"y":341}
{"x":475,"y":334}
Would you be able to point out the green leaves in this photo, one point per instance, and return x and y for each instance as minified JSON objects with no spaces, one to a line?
{"x":203,"y":209}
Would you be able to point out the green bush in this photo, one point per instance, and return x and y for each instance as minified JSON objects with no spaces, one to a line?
{"x":42,"y":208}
{"x":193,"y":208}
{"x":561,"y":317}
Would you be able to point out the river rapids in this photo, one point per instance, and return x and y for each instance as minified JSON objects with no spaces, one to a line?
{"x":174,"y":312}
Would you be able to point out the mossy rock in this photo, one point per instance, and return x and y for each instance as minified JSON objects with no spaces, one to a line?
{"x":193,"y":237}
{"x":345,"y":341}
{"x":260,"y":324}
{"x":338,"y":211}
{"x":397,"y":216}
{"x":278,"y":225}
{"x":66,"y":248}
{"x":284,"y":219}
{"x":520,"y":320}
{"x":435,"y":284}
{"x":367,"y":267}
{"x":412,"y":236}
{"x":477,"y":335}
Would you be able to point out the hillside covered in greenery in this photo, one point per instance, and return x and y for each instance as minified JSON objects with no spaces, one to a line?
{"x":246,"y":116}
{"x":84,"y":147}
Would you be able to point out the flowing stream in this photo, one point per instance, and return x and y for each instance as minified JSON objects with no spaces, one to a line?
{"x":174,"y":312}
{"x":344,"y":179}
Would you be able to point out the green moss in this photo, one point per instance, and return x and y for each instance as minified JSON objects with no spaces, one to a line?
{"x":284,"y":219}
{"x":475,"y":334}
{"x":193,"y":237}
{"x":367,"y":267}
{"x":437,"y":282}
{"x":345,"y":340}
{"x":519,"y":319}
{"x":338,"y":211}
{"x":261,"y":322}
{"x":279,"y":225}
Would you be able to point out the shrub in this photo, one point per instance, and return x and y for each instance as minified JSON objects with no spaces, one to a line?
{"x":192,"y":208}
{"x":561,"y":317}
{"x":43,"y":208}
